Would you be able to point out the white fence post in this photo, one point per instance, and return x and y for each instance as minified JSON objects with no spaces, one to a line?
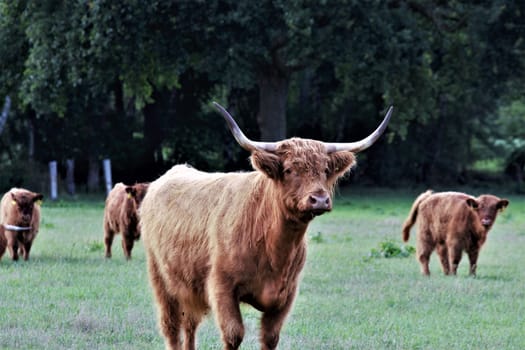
{"x":53,"y":179}
{"x":107,"y":175}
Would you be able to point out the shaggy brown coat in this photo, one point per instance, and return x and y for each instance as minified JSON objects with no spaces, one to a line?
{"x":214,"y":240}
{"x":19,"y":222}
{"x":121,"y":216}
{"x":452,"y":222}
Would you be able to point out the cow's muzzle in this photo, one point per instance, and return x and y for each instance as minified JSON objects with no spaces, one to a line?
{"x":319,"y":203}
{"x":486,"y":222}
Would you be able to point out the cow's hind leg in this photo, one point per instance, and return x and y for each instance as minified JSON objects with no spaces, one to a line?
{"x":169,"y":311}
{"x":443,"y":256}
{"x":454,"y":256}
{"x":424,"y":248}
{"x":108,"y":240}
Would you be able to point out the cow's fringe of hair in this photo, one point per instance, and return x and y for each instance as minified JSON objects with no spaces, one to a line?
{"x":412,"y":216}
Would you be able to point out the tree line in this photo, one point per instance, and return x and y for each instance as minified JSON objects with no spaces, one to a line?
{"x":133,"y":81}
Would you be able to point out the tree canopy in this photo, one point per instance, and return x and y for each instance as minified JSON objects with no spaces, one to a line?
{"x":133,"y":81}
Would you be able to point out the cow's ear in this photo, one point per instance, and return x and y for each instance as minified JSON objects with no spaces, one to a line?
{"x":340,"y":163}
{"x":471,"y":202}
{"x":13,"y":198}
{"x":38,"y":197}
{"x":502,"y":204}
{"x":268,"y":163}
{"x":130,"y":190}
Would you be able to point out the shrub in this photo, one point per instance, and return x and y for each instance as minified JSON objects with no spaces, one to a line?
{"x":391,"y":249}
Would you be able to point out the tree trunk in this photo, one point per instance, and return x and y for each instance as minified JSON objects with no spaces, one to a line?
{"x":70,"y":176}
{"x":518,"y":173}
{"x":93,"y":182}
{"x":273,"y":95}
{"x":31,"y":139}
{"x":433,"y":175}
{"x":154,"y":132}
{"x":5,"y":113}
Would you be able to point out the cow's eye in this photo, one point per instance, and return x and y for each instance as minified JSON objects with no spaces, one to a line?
{"x":327,"y":171}
{"x":287,"y":171}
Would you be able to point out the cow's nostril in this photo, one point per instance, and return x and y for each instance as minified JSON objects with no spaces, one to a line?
{"x":320,"y":201}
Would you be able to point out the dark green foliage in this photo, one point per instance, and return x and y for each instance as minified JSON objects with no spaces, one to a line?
{"x":133,"y":81}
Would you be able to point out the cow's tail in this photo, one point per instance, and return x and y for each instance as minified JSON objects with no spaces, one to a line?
{"x":412,"y":216}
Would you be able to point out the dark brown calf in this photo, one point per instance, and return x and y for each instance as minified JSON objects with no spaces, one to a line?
{"x":121,"y":216}
{"x":452,"y":222}
{"x":19,"y":222}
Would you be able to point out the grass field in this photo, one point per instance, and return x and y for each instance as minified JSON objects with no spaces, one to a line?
{"x":69,"y":297}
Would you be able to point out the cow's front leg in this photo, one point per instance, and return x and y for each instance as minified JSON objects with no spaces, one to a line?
{"x":12,"y":246}
{"x":271,"y":324}
{"x":225,"y":305}
{"x":3,"y":241}
{"x":473,"y":258}
{"x":26,"y":248}
{"x":127,"y":244}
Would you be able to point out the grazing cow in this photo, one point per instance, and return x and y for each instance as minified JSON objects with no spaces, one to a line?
{"x":214,"y":240}
{"x":121,"y":216}
{"x":19,"y":222}
{"x":452,"y":222}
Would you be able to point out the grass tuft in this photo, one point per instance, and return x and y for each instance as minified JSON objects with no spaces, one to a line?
{"x":317,"y":237}
{"x":95,"y":246}
{"x":391,"y":249}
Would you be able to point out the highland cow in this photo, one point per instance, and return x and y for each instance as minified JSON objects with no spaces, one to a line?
{"x":121,"y":216}
{"x":19,"y":222}
{"x":452,"y":222}
{"x":214,"y":240}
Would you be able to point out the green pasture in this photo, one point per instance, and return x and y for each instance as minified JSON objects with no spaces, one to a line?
{"x":68,"y":296}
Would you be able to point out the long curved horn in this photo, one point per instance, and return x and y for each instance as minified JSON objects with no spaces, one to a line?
{"x":245,"y":142}
{"x":364,"y":143}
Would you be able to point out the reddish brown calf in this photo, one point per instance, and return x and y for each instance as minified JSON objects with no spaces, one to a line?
{"x":452,"y":222}
{"x":19,"y":222}
{"x":121,"y":216}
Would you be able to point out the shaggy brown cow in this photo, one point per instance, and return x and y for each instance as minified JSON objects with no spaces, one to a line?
{"x":214,"y":240}
{"x":121,"y":216}
{"x":452,"y":222}
{"x":19,"y":222}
